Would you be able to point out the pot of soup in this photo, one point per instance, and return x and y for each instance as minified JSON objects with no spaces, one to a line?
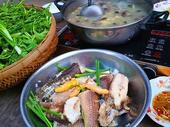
{"x":120,"y":21}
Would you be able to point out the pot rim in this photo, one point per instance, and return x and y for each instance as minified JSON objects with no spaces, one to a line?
{"x":103,"y":28}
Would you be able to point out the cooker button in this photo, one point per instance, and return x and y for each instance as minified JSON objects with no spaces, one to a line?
{"x":161,"y":41}
{"x":153,"y":40}
{"x":150,"y":46}
{"x":159,"y":47}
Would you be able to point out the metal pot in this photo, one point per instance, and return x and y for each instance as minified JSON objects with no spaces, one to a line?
{"x":139,"y":85}
{"x":108,"y":35}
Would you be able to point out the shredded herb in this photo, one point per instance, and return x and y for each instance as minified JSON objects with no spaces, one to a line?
{"x":21,"y":30}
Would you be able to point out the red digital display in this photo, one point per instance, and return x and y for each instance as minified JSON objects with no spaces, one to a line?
{"x":157,"y":55}
{"x":160,"y":33}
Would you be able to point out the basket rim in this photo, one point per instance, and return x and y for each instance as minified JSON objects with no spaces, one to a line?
{"x":50,"y":32}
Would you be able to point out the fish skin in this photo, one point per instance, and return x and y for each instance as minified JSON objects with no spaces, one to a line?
{"x":90,"y":105}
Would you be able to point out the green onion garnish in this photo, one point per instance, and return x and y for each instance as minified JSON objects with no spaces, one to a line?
{"x":98,"y":72}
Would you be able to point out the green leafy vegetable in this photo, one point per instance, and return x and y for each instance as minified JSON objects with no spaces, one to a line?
{"x":21,"y":29}
{"x":4,"y":32}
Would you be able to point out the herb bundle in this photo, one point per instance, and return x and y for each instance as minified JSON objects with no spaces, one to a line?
{"x":33,"y":104}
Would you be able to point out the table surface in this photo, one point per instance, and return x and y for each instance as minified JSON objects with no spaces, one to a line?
{"x":10,"y":115}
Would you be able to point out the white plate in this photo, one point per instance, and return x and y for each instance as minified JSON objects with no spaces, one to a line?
{"x":162,"y":6}
{"x":158,"y":85}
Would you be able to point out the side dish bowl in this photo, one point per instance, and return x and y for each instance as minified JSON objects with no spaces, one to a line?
{"x":139,"y":86}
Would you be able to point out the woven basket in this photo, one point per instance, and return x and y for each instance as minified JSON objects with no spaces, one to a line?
{"x":17,"y":72}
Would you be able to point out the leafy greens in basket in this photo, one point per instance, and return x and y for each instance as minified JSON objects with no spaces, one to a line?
{"x":22,"y":28}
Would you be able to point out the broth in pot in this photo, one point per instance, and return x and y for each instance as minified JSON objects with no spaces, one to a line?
{"x":116,"y":13}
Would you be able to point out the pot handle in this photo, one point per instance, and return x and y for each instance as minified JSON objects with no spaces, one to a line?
{"x":158,"y":17}
{"x":155,"y":19}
